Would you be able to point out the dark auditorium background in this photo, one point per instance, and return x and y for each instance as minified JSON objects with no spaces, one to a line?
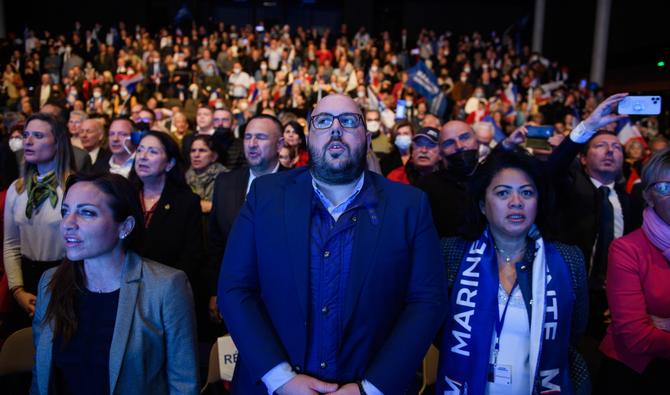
{"x":638,"y":37}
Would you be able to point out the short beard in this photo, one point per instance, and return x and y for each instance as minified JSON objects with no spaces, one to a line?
{"x":348,"y":173}
{"x":261,"y":167}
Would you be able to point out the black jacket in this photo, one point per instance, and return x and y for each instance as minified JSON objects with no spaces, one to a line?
{"x":449,"y":201}
{"x":174,"y":235}
{"x":577,"y":200}
{"x":230,"y":192}
{"x":101,"y":164}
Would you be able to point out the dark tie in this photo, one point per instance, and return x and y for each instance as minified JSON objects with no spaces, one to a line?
{"x":605,"y":237}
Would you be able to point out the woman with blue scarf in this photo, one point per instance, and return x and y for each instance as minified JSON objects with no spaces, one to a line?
{"x":518,"y":302}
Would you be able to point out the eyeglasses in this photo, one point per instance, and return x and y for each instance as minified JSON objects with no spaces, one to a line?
{"x":347,"y":120}
{"x":661,"y":187}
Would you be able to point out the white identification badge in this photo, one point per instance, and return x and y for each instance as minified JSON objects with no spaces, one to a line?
{"x":500,"y":374}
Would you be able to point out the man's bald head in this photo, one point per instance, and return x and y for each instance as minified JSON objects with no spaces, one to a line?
{"x":91,"y":133}
{"x":457,"y":136}
{"x":337,"y":103}
{"x":337,"y":153}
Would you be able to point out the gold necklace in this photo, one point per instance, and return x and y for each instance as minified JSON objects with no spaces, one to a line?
{"x":505,"y":256}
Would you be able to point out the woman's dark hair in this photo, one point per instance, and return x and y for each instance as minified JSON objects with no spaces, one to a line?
{"x":176,"y":175}
{"x":207,"y":140}
{"x":68,"y":280}
{"x":300,"y":131}
{"x":398,"y":125}
{"x":498,"y":160}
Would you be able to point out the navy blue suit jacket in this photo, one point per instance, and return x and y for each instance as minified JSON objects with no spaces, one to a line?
{"x":395,"y":298}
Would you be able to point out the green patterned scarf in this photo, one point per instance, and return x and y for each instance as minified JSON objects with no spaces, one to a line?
{"x":39,"y":191}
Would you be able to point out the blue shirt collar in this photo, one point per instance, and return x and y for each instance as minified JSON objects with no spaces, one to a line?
{"x":337,"y":210}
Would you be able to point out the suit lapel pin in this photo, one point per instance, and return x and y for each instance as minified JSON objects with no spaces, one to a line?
{"x":167,"y":206}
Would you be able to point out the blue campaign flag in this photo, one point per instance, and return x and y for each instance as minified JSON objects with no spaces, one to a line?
{"x":422,"y":79}
{"x":438,"y":106}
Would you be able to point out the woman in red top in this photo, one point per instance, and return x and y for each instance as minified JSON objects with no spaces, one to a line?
{"x":294,"y":136}
{"x":637,"y":343}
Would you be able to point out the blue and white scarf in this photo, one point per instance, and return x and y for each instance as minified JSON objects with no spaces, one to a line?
{"x":466,"y":341}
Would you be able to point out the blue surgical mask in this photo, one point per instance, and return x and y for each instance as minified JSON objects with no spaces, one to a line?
{"x":403,"y":142}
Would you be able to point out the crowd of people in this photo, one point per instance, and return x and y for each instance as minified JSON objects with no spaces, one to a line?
{"x":140,"y":217}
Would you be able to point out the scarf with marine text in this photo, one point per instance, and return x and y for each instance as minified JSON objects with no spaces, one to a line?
{"x":466,"y":341}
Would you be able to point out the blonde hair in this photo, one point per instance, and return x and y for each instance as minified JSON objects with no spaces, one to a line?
{"x":63,"y":156}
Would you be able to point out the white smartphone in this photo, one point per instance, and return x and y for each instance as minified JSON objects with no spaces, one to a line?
{"x":640,"y":105}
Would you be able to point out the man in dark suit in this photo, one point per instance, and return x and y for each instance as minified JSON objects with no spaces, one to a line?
{"x":157,"y":73}
{"x":92,"y":136}
{"x":332,"y":280}
{"x":262,"y":143}
{"x":121,"y":150}
{"x":593,"y":207}
{"x":44,"y":90}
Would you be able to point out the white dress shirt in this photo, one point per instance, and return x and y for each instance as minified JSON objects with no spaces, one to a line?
{"x":514,"y":344}
{"x":252,"y":176}
{"x":94,"y":154}
{"x":122,"y":169}
{"x":616,"y":205}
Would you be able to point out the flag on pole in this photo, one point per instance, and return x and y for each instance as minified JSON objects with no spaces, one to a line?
{"x":422,"y":79}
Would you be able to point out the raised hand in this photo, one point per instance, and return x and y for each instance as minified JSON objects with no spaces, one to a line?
{"x":605,"y":113}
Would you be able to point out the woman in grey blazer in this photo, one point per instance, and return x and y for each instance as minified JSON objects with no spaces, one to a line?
{"x":108,"y":321}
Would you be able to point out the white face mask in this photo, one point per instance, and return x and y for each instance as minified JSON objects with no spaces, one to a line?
{"x":237,"y":71}
{"x":97,"y":94}
{"x":373,"y":126}
{"x":360,"y":94}
{"x":403,"y":142}
{"x":15,"y":144}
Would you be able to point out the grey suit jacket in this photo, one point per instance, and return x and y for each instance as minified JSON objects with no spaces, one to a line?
{"x":153,"y":348}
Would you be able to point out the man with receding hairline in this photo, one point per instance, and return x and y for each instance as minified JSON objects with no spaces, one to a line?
{"x":263,"y":140}
{"x":92,"y":136}
{"x":446,"y":188}
{"x":331,"y":282}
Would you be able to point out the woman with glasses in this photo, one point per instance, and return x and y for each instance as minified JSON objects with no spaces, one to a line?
{"x":637,"y":343}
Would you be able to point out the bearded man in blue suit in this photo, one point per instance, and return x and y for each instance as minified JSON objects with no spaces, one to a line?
{"x":332,"y":280}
